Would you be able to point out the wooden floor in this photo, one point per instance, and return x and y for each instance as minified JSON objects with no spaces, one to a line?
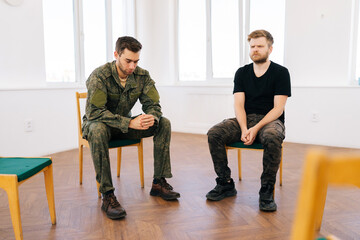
{"x":192,"y":217}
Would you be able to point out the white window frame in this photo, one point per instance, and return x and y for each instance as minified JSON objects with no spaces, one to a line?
{"x":244,"y":25}
{"x":129,"y":29}
{"x":354,"y":44}
{"x":209,"y":79}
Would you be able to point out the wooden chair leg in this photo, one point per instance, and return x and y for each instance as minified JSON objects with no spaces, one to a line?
{"x":118,"y":161}
{"x":320,"y":205}
{"x":141,"y":163}
{"x":14,"y":205}
{"x":310,"y":196}
{"x":49,"y":187}
{"x":274,"y":191}
{"x":239,"y":163}
{"x":80,"y":163}
{"x":97,"y":187}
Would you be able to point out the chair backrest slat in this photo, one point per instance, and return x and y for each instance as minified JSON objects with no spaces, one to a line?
{"x":78,"y":97}
{"x":321,"y":169}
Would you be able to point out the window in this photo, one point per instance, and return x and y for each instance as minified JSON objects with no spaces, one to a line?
{"x":357,"y":76}
{"x":270,"y":15}
{"x":75,"y":36}
{"x":94,"y":35}
{"x":117,"y":22}
{"x":59,"y":41}
{"x":212,"y":35}
{"x":192,"y":40}
{"x":225,"y":38}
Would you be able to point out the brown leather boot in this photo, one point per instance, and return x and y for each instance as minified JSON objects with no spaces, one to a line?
{"x":112,"y":207}
{"x":164,"y":190}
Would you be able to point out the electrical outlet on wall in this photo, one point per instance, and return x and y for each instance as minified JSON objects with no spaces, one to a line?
{"x":28,"y":125}
{"x":314,"y":116}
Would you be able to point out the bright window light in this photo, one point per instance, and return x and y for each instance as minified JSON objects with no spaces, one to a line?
{"x":358,"y":50}
{"x":94,"y":35}
{"x":270,"y":16}
{"x":117,"y":22}
{"x":225,"y":37}
{"x":192,"y":40}
{"x":59,"y":40}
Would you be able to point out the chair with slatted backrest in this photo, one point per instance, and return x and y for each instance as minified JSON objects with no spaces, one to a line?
{"x":320,"y":170}
{"x":118,"y":143}
{"x":15,"y":171}
{"x":255,"y":146}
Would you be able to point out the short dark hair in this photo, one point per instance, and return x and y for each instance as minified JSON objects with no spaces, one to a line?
{"x":262,"y":33}
{"x":127,"y":42}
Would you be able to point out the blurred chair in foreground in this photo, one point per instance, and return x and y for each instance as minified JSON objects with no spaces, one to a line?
{"x":320,"y":171}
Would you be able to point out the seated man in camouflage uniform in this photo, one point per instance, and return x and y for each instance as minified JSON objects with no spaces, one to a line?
{"x":113,"y":90}
{"x":260,"y":93}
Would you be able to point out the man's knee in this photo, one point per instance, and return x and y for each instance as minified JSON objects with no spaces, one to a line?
{"x":224,"y":130}
{"x":212,"y":131}
{"x":215,"y":134}
{"x":165,"y":123}
{"x":273,"y":133}
{"x":272,"y":138}
{"x":98,"y":130}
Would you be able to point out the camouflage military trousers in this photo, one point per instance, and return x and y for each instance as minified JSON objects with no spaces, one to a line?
{"x":100,"y":134}
{"x":270,"y":136}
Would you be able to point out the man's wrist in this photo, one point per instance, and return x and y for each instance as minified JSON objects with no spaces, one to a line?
{"x":257,"y":127}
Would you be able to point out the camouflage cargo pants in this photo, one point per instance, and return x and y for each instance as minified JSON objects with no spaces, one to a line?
{"x":270,"y":136}
{"x":100,"y":134}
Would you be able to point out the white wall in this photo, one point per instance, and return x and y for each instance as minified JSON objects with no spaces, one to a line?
{"x":338,"y":111}
{"x":53,"y":116}
{"x":196,"y":109}
{"x":21,"y":50}
{"x":317,"y":51}
{"x":155,"y":30}
{"x":317,"y":41}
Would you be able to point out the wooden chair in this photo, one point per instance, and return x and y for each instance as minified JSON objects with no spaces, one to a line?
{"x":255,"y":146}
{"x":112,"y":144}
{"x":320,"y":171}
{"x":15,"y":171}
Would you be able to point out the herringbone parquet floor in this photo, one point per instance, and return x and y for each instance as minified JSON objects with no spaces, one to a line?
{"x":192,"y":217}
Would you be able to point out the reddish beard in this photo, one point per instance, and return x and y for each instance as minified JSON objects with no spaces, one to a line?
{"x":260,"y":59}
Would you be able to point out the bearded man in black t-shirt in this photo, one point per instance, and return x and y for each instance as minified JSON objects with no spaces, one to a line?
{"x":260,"y":93}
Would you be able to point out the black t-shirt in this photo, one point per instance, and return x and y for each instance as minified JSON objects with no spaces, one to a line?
{"x":260,"y":91}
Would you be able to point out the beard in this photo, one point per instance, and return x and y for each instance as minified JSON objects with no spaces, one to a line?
{"x":123,"y":70}
{"x":260,"y":58}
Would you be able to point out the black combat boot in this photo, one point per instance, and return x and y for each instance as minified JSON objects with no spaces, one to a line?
{"x":112,"y":207}
{"x":266,"y":199}
{"x":224,"y":188}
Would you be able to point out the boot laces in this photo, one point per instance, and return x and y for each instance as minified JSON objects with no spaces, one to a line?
{"x":165,"y":185}
{"x":113,"y":201}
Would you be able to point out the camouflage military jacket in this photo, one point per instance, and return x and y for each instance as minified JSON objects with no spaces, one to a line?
{"x":109,"y":102}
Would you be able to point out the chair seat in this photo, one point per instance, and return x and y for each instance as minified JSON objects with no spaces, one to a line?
{"x":240,"y":144}
{"x":23,"y":167}
{"x":122,"y":142}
